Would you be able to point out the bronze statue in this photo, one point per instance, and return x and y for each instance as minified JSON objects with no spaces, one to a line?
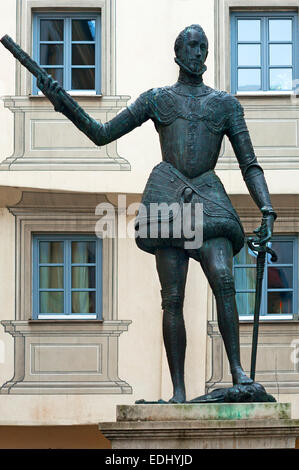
{"x":191,"y":120}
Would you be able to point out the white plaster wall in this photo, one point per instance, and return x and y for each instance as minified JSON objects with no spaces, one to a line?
{"x":7,"y":293}
{"x":7,"y":76}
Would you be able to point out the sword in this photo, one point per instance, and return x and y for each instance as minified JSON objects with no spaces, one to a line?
{"x":261,"y":249}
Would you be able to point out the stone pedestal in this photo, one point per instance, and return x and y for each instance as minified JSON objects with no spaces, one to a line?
{"x":203,"y":426}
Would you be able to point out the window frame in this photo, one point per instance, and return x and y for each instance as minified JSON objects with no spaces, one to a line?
{"x":263,"y":311}
{"x":67,"y":264}
{"x":67,"y":52}
{"x":264,"y":41}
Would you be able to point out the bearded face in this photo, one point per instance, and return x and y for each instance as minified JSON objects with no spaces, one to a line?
{"x":193,"y":52}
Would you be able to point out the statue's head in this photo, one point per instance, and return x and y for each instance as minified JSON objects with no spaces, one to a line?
{"x":191,"y":50}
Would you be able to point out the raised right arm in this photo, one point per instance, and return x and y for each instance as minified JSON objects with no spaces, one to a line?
{"x":100,"y":134}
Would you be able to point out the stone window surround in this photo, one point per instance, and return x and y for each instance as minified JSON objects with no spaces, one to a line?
{"x":59,"y":219}
{"x":35,"y":146}
{"x":222,"y":35}
{"x":38,"y":343}
{"x":275,"y":334}
{"x":260,"y":107}
{"x":264,"y":48}
{"x":25,"y":10}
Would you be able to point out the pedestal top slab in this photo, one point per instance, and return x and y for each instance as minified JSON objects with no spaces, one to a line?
{"x":206,"y":411}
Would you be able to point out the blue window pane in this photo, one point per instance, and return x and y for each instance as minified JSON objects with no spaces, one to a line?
{"x":281,"y":54}
{"x":245,"y":278}
{"x":284,"y":251}
{"x":51,"y":277}
{"x":280,"y":278}
{"x":249,"y":54}
{"x":83,"y":252}
{"x":83,"y":30}
{"x":245,"y":303}
{"x":83,"y":277}
{"x":280,"y":302}
{"x":249,"y":30}
{"x":51,"y":54}
{"x":51,"y":252}
{"x":51,"y":302}
{"x":51,"y":30}
{"x":280,"y":30}
{"x":83,"y":54}
{"x":249,"y":79}
{"x":83,"y":79}
{"x":281,"y":79}
{"x":83,"y":302}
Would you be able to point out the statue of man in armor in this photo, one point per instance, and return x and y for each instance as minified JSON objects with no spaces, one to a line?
{"x":191,"y":120}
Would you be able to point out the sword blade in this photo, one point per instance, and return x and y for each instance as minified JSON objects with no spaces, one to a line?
{"x":260,"y":266}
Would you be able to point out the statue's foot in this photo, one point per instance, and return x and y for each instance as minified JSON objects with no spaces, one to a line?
{"x":178,"y":397}
{"x":239,"y":377}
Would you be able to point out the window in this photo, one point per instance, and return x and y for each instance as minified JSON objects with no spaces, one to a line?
{"x":68,"y":47}
{"x":67,"y":277}
{"x":264,"y":51}
{"x":280,"y":284}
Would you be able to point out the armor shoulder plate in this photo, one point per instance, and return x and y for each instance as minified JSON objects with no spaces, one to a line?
{"x":235,"y":115}
{"x":215,"y":112}
{"x":163,"y":105}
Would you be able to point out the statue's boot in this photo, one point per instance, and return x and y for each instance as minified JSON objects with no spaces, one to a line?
{"x":174,"y":335}
{"x":216,"y":257}
{"x":172,"y":266}
{"x":228,"y":322}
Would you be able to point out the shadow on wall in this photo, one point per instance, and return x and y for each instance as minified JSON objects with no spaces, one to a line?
{"x":52,"y":437}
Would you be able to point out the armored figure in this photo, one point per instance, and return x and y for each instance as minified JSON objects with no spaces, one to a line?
{"x":191,"y":120}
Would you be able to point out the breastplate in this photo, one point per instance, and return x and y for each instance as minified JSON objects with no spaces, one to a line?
{"x":169,"y":103}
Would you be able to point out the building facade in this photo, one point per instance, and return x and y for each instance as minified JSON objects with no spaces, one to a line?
{"x":81,"y":311}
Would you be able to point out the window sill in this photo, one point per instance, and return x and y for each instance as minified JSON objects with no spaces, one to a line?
{"x":67,"y":317}
{"x":265,"y":93}
{"x":72,"y":93}
{"x":64,"y":320}
{"x":268,"y":318}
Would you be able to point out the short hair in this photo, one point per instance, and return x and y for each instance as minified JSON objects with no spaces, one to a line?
{"x":183,"y":34}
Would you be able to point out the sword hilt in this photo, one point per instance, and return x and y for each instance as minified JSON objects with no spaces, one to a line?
{"x":256,"y":248}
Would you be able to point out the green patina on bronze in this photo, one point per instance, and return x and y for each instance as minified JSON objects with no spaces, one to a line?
{"x":207,"y":411}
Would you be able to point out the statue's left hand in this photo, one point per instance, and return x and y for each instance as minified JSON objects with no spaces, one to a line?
{"x":265,"y":231}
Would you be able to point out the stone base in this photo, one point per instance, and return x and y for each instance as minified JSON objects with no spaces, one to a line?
{"x":203,"y":426}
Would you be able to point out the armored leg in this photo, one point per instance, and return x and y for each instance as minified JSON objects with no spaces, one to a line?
{"x":216,"y":260}
{"x":172,"y":266}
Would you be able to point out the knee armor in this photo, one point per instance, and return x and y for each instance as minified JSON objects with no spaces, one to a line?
{"x":172,"y":300}
{"x":224,"y":285}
